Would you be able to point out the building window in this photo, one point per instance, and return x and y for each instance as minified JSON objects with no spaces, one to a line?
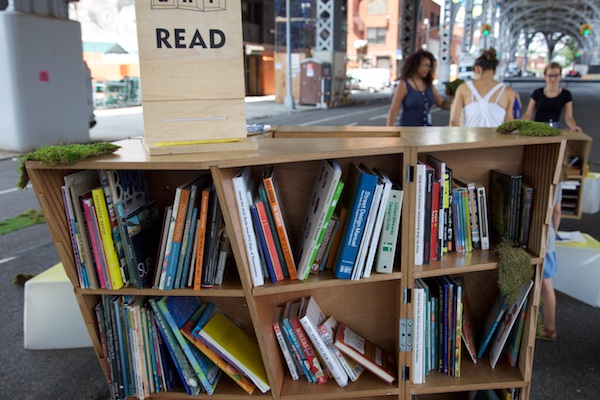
{"x":377,"y":7}
{"x":376,"y":35}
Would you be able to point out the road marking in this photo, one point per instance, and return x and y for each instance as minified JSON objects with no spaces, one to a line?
{"x":378,"y":117}
{"x":5,"y":260}
{"x":352,"y":124}
{"x":342,"y":116}
{"x":14,"y":189}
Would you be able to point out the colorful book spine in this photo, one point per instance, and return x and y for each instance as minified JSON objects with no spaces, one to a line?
{"x":96,"y":244}
{"x":110,"y":253}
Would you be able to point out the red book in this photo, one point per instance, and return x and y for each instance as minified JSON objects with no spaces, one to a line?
{"x":272,"y":250}
{"x":307,"y":347}
{"x":434,"y":248}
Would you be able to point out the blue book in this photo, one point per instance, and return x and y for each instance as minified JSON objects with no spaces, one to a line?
{"x":188,"y":255}
{"x":177,"y":311}
{"x":358,"y":198}
{"x":263,"y":242}
{"x":493,"y":319}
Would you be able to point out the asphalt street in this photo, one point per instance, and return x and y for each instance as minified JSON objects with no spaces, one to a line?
{"x":567,"y":369}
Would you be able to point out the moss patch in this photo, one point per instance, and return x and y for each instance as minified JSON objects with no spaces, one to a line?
{"x":66,"y":155}
{"x":528,"y":128}
{"x":23,"y":220}
{"x":514,"y":270}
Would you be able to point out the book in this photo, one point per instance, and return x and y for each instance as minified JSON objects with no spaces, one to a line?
{"x":309,"y":347}
{"x":458,"y":220}
{"x":95,"y":241}
{"x":270,"y":249}
{"x":74,"y":235}
{"x":311,"y":317}
{"x":441,"y":176}
{"x":513,"y":344}
{"x":234,"y":344}
{"x":328,"y":226}
{"x":201,"y":237}
{"x":429,"y":174}
{"x":214,"y":230}
{"x":269,"y":180}
{"x":491,"y":323}
{"x":162,"y":247}
{"x":263,"y":245}
{"x":505,"y":193}
{"x":473,"y":210}
{"x":224,"y":252}
{"x":177,"y":311}
{"x":326,"y":245}
{"x":366,"y":353}
{"x":386,"y":248}
{"x":525,"y":214}
{"x":380,"y":217}
{"x":188,"y":225}
{"x":508,"y":320}
{"x":484,"y":222}
{"x":283,"y":346}
{"x":327,"y":331}
{"x":420,"y":199}
{"x":262,"y":191}
{"x":418,"y":344}
{"x":322,"y":194}
{"x":449,"y":217}
{"x":435,"y":247}
{"x":290,"y":310}
{"x":243,"y":186}
{"x":184,"y":368}
{"x":230,"y":370}
{"x":142,"y":235}
{"x":357,"y":196}
{"x":468,"y":334}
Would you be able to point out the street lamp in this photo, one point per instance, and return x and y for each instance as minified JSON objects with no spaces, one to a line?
{"x":289,"y":97}
{"x":426,"y":25}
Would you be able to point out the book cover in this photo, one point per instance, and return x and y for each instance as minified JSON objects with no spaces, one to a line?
{"x":201,"y":237}
{"x":262,"y":191}
{"x":370,"y":356}
{"x":386,"y":248}
{"x":367,"y":236}
{"x":214,"y":229}
{"x":95,"y":241}
{"x":235,"y":374}
{"x":242,"y":185}
{"x":184,"y":368}
{"x":290,"y":310}
{"x":429,"y":174}
{"x":327,"y":331}
{"x":379,"y":218}
{"x":468,"y":333}
{"x":283,"y":346}
{"x":311,"y":317}
{"x":322,"y":193}
{"x":269,"y":238}
{"x":418,"y":345}
{"x":513,"y":344}
{"x":327,"y":226}
{"x":234,"y":343}
{"x":508,"y":320}
{"x":309,"y":348}
{"x":441,"y":176}
{"x":505,"y":192}
{"x":473,"y":210}
{"x":264,"y":246}
{"x":484,"y":222}
{"x":358,"y":196}
{"x":420,"y":200}
{"x":525,"y":215}
{"x":493,"y":320}
{"x":142,"y":235}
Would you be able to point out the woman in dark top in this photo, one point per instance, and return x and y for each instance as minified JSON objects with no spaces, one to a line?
{"x":548,"y":102}
{"x":415,"y":93}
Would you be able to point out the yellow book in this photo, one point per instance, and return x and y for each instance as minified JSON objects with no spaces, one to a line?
{"x":236,"y":347}
{"x":110,"y":252}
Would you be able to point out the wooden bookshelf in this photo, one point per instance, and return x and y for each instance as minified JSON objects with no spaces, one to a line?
{"x":373,"y":306}
{"x":579,"y":146}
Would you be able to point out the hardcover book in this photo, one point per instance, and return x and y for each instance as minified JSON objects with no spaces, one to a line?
{"x":367,"y":354}
{"x":386,"y":248}
{"x":379,"y":218}
{"x":505,"y":201}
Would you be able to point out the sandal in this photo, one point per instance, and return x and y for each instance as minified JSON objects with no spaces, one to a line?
{"x":547,"y":336}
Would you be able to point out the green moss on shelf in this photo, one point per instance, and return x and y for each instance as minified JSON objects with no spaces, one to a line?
{"x":528,"y":128}
{"x":514,"y":270}
{"x":58,"y":155}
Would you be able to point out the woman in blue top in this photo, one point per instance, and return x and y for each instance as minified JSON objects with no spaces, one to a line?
{"x":415,"y":93}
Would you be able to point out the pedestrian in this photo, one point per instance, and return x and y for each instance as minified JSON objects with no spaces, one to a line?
{"x":548,"y":332}
{"x":549,"y":101}
{"x":415,"y":94}
{"x":484,"y":101}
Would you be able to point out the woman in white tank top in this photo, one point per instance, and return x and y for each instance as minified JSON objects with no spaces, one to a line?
{"x":484,"y":101}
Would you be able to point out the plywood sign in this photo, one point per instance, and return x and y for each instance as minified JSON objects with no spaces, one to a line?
{"x":192,"y":73}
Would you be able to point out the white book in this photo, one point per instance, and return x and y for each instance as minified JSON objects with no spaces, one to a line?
{"x":511,"y":314}
{"x":366,"y":241}
{"x":386,"y":249}
{"x":327,"y":330}
{"x":418,"y":345}
{"x":420,"y":212}
{"x":311,"y":318}
{"x":322,"y":193}
{"x":484,"y":224}
{"x":242,"y":185}
{"x":377,"y":229}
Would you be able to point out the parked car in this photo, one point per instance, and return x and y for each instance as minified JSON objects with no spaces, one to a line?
{"x":573,"y":74}
{"x":369,"y":79}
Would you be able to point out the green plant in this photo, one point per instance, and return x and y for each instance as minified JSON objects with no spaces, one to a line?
{"x":514,"y":269}
{"x":528,"y":128}
{"x":23,"y":220}
{"x":452,"y":86}
{"x":66,"y":155}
